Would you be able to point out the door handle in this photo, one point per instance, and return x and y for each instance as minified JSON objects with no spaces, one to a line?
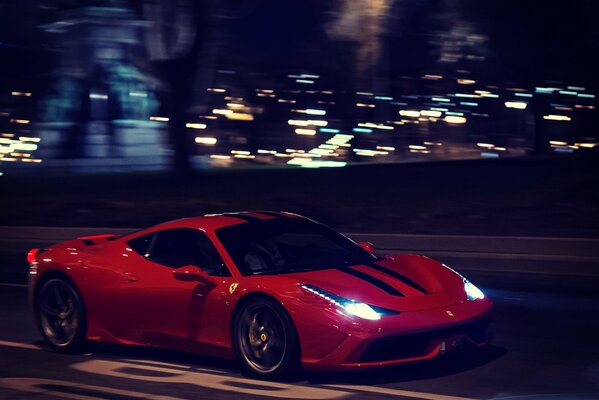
{"x":129,"y":277}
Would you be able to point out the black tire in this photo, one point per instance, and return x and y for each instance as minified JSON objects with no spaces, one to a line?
{"x":61,"y":316}
{"x":265,"y":340}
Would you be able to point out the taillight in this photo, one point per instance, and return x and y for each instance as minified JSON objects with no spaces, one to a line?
{"x":31,"y":255}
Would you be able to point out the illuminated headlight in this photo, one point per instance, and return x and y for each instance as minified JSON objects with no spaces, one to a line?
{"x":472,"y":292}
{"x":361,"y":310}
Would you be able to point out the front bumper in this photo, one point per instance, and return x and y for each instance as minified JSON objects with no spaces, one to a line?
{"x":408,"y":337}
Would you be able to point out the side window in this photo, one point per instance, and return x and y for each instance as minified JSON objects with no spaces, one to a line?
{"x":177,"y":248}
{"x":141,"y":245}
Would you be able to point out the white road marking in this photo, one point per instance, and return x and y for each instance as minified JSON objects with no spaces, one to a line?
{"x":13,"y":285}
{"x":158,"y":363}
{"x":397,"y":392}
{"x":34,"y":385}
{"x":210,"y":380}
{"x":19,"y":345}
{"x":203,"y":377}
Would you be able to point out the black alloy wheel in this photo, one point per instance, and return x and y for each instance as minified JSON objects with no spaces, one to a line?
{"x":266,"y":340}
{"x":60,"y":314}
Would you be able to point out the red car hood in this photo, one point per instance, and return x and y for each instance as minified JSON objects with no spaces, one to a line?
{"x":400,"y":282}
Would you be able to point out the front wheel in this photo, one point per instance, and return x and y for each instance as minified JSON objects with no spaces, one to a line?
{"x":61,"y":317}
{"x":265,"y":339}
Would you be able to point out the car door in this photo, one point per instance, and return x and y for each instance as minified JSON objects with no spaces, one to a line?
{"x":162,"y":310}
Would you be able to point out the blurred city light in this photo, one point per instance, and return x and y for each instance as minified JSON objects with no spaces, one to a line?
{"x":195,"y":126}
{"x":308,"y":132}
{"x":206,"y":140}
{"x":354,"y":95}
{"x":557,"y":118}
{"x":455,"y":120}
{"x":519,"y":105}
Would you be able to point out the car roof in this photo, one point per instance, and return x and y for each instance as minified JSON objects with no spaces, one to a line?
{"x":215,"y":221}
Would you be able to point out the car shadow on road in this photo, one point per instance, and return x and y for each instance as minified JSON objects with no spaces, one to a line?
{"x":445,"y":365}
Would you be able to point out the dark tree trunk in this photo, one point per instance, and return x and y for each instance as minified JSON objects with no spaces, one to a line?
{"x":178,"y":71}
{"x":177,"y":75}
{"x":540,"y":105}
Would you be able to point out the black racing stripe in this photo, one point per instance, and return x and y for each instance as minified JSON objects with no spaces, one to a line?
{"x":244,"y":217}
{"x":398,"y":276}
{"x":373,"y":281}
{"x":271,"y":214}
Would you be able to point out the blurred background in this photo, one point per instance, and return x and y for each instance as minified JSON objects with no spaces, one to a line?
{"x":486,"y":110}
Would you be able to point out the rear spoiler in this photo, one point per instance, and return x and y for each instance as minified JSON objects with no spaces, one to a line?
{"x":72,"y":244}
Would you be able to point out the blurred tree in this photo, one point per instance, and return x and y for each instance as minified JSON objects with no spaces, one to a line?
{"x":183,"y":36}
{"x":174,"y":40}
{"x":364,"y":23}
{"x":535,"y":42}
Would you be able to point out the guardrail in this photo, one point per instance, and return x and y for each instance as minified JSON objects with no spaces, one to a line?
{"x":567,"y":256}
{"x":42,"y":235}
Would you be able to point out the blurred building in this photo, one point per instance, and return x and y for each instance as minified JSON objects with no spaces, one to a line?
{"x":97,"y":111}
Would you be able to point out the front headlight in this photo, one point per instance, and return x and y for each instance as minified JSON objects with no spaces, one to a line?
{"x":472,"y":292}
{"x":361,"y":310}
{"x":351,"y":307}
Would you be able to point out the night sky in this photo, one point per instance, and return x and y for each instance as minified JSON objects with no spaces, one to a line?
{"x":529,"y":40}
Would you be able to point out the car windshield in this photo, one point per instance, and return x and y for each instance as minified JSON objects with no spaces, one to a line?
{"x":287,"y":245}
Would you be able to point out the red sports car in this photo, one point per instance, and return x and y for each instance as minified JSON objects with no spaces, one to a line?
{"x":274,"y":289}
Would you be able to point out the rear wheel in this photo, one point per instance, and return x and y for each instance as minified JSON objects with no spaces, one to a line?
{"x":61,"y":316}
{"x":265,"y":339}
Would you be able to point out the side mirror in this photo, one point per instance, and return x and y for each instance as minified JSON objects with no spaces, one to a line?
{"x":369,"y":247}
{"x":191,"y":273}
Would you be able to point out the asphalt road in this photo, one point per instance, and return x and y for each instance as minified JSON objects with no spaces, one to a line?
{"x":545,"y":347}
